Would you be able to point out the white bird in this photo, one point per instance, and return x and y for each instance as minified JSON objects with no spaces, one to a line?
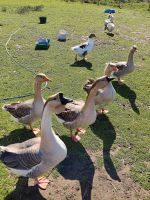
{"x":36,"y":156}
{"x":109,"y":24}
{"x":83,"y":49}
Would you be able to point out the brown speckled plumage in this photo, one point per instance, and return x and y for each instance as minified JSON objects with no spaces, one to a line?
{"x":72,"y":111}
{"x":19,"y":110}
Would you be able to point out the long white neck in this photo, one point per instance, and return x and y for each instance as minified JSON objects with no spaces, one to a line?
{"x":48,"y":136}
{"x":90,"y":100}
{"x":37,"y":90}
{"x":90,"y":40}
{"x":130,"y":58}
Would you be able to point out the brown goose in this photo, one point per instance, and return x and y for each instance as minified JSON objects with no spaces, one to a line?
{"x":105,"y":95}
{"x":81,"y":114}
{"x":36,"y":156}
{"x":29,"y":111}
{"x":124,"y":68}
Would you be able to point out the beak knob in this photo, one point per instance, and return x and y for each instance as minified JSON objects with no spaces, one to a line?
{"x":63,"y":99}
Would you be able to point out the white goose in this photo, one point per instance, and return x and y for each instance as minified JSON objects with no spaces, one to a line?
{"x":107,"y":94}
{"x":29,"y":111}
{"x":83,"y":49}
{"x":36,"y":156}
{"x":109,"y":24}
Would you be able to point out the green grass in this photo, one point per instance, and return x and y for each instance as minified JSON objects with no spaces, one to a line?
{"x":127,"y":124}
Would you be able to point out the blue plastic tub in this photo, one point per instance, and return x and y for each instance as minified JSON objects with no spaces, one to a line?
{"x":109,"y":11}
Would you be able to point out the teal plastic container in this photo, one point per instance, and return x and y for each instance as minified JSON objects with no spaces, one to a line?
{"x":42,"y":44}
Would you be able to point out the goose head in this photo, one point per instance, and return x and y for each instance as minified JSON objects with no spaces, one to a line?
{"x":102,"y":82}
{"x":133,"y":48}
{"x":40,"y":78}
{"x":57,"y":100}
{"x":92,"y":35}
{"x":110,"y":67}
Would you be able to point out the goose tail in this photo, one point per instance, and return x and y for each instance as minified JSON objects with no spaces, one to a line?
{"x":72,"y":48}
{"x":5,"y":107}
{"x":2,"y":150}
{"x":60,"y":120}
{"x":15,"y":119}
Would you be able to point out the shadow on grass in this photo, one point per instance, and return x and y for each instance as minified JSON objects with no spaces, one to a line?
{"x":78,"y":166}
{"x":59,"y":40}
{"x":38,"y":48}
{"x":23,"y":192}
{"x":110,"y":34}
{"x":127,"y":93}
{"x":16,"y":136}
{"x":104,"y":129}
{"x":82,"y":63}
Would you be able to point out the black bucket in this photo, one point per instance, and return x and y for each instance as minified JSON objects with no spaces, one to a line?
{"x":42,"y":20}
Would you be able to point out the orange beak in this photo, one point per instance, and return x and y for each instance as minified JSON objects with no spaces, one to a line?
{"x":47,"y":79}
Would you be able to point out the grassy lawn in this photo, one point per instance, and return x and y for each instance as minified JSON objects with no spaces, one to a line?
{"x":125,"y":129}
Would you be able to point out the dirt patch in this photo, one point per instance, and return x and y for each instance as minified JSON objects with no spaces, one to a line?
{"x":80,"y":179}
{"x":103,"y":43}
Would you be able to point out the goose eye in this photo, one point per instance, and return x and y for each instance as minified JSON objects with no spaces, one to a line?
{"x":55,"y":98}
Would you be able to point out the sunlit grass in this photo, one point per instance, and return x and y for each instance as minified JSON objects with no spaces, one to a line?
{"x":131,"y":129}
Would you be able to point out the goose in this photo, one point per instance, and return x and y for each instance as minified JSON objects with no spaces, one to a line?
{"x":124,"y":67}
{"x":83,"y":49}
{"x":109,"y":24}
{"x":79,"y":114}
{"x":38,"y":155}
{"x":29,"y":111}
{"x":104,"y":96}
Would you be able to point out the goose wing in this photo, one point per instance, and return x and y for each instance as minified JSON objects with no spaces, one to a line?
{"x":72,"y":111}
{"x":121,"y":65}
{"x":21,"y":159}
{"x":19,"y":110}
{"x":83,"y":45}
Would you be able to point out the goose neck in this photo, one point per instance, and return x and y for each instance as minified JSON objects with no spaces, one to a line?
{"x":90,"y":100}
{"x":46,"y":125}
{"x":90,"y":40}
{"x":130,"y":57}
{"x":37,"y":90}
{"x":107,"y":71}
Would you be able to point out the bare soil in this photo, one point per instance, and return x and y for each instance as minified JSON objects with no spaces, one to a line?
{"x":80,"y":179}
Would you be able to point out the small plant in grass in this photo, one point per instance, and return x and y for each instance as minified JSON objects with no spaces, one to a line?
{"x":38,"y":8}
{"x":148,"y":5}
{"x":65,"y":187}
{"x":26,"y":9}
{"x":55,"y":173}
{"x":4,"y":9}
